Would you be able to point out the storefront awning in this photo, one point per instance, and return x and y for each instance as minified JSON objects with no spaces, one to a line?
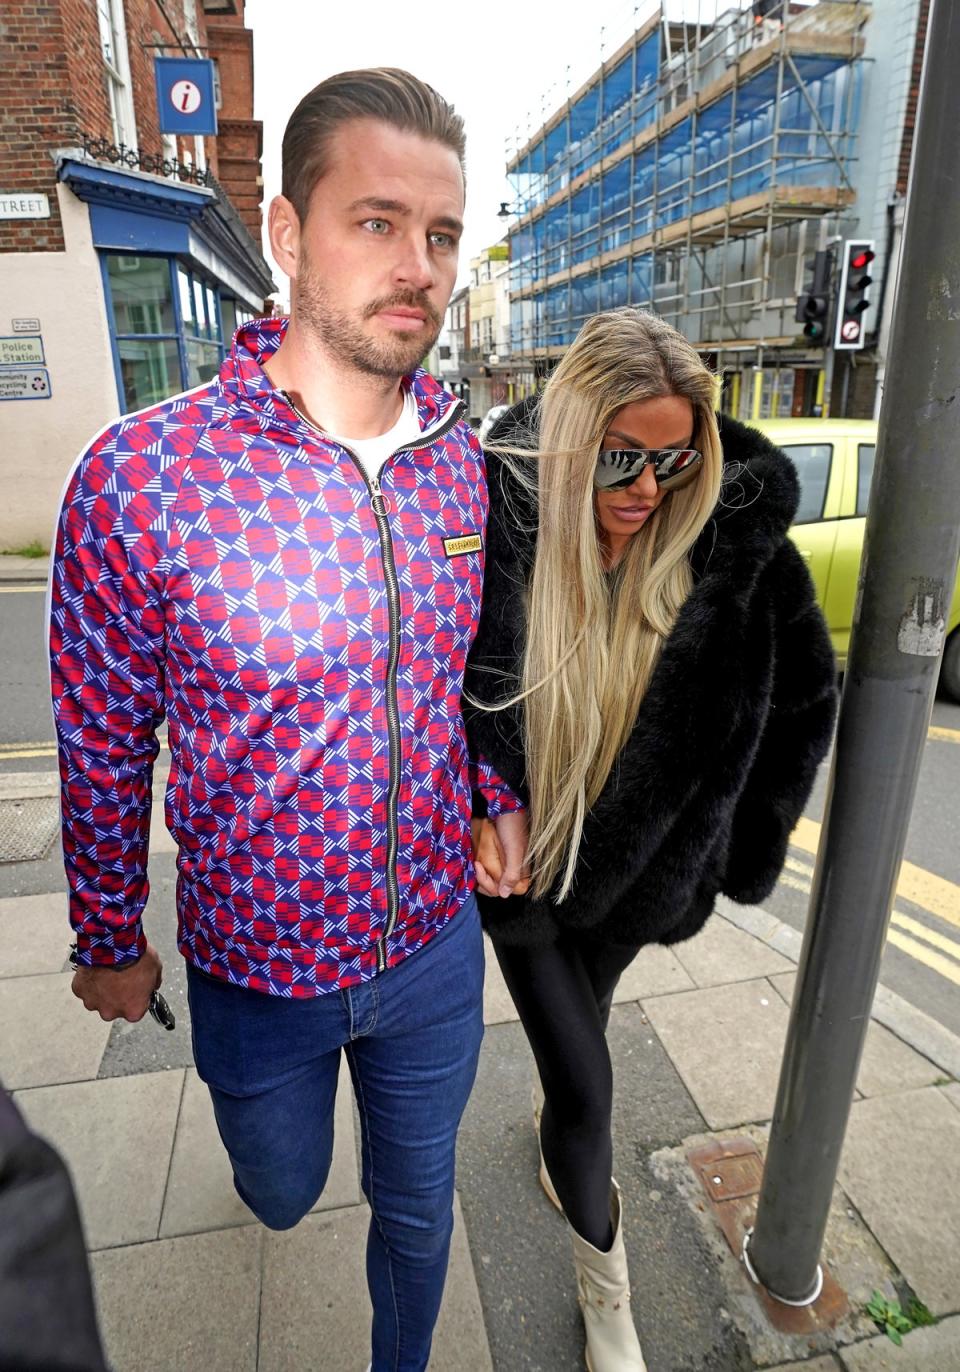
{"x":134,"y":211}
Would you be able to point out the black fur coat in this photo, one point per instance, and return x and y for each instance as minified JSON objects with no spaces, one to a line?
{"x":738,"y":715}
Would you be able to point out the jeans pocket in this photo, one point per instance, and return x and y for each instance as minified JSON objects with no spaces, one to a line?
{"x":216,"y":1031}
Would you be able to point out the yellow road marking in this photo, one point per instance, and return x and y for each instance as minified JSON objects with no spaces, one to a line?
{"x":948,"y":966}
{"x":931,"y":892}
{"x":913,"y":926}
{"x":795,"y":883}
{"x":943,"y":735}
{"x":19,"y":590}
{"x":935,"y":961}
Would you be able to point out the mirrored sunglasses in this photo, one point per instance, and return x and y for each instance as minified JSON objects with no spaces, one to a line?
{"x":619,"y":467}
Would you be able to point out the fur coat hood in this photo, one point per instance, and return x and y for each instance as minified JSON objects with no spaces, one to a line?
{"x":737,"y":716}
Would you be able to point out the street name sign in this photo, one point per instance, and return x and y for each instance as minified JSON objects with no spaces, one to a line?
{"x":24,"y":205}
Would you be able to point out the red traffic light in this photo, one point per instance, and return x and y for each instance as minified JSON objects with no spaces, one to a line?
{"x":862,"y":259}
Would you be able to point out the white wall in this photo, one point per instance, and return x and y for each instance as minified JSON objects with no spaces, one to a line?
{"x":40,"y":439}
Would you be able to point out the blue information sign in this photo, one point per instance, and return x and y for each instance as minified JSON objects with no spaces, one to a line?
{"x":185,"y":95}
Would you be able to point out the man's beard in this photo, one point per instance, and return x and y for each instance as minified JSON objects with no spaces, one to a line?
{"x":343,"y":336}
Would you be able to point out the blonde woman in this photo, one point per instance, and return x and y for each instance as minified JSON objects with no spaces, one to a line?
{"x":653,"y":685}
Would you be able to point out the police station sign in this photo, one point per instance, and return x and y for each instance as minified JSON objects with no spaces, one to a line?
{"x":19,"y":352}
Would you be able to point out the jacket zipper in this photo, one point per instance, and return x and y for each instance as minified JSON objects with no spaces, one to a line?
{"x":378,"y":505}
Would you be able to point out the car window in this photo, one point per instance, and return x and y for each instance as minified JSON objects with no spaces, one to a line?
{"x":866,"y":452}
{"x":812,"y":461}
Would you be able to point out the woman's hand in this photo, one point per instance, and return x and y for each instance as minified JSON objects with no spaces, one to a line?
{"x":500,"y":854}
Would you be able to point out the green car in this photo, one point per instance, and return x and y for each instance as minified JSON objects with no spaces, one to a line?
{"x":834,"y":460}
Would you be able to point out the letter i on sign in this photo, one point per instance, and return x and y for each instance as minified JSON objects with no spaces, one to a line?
{"x":185,"y":96}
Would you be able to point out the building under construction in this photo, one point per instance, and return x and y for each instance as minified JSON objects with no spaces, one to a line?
{"x":698,"y":170}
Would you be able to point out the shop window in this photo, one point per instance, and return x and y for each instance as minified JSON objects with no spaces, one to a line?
{"x":166,"y":327}
{"x":233,"y":316}
{"x":144,"y":329}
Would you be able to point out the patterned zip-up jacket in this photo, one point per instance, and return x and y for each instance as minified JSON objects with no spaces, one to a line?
{"x":222,"y":563}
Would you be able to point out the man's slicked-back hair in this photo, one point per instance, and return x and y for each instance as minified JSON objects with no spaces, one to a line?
{"x":387,"y":94}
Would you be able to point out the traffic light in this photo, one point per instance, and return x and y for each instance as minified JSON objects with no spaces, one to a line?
{"x":855,"y":281}
{"x":813,"y":307}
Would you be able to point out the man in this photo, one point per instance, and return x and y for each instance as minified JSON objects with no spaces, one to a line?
{"x":287,"y":563}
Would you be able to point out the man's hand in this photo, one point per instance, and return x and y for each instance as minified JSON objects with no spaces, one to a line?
{"x":123,"y":993}
{"x":500,"y":854}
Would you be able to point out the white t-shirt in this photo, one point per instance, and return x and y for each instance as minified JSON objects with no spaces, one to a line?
{"x":372,"y":453}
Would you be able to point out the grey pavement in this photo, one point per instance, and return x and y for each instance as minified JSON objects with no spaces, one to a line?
{"x":696,"y":1036}
{"x":15,"y":568}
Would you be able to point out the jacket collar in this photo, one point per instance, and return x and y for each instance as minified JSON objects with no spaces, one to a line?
{"x":243,"y":377}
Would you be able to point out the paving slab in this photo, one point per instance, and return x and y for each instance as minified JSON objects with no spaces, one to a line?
{"x":311,"y":1319}
{"x":935,"y":1348}
{"x":927,"y":1035}
{"x":901,"y":1169}
{"x":888,"y":1064}
{"x":182,"y":1305}
{"x":201,"y":1194}
{"x":161,"y":839}
{"x":145,"y":1046}
{"x":15,"y":567}
{"x":722,"y":953}
{"x":520,"y":1246}
{"x":34,"y":934}
{"x":498,"y":1007}
{"x":726,"y":1042}
{"x":46,"y":1036}
{"x":116,"y":1136}
{"x":655,"y":971}
{"x":753,"y":919}
{"x":952,"y":1093}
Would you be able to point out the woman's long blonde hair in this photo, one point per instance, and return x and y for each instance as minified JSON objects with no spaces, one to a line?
{"x":592,"y":642}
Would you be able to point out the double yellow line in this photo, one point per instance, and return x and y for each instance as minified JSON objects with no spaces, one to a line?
{"x":933,"y":894}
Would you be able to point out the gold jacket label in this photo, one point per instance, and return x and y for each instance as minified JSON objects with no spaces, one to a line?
{"x":466,"y":543}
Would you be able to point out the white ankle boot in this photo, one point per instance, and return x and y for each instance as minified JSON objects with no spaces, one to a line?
{"x":603,"y":1290}
{"x":537,"y":1103}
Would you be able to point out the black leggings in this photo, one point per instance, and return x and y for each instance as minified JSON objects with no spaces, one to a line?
{"x":563,"y":995}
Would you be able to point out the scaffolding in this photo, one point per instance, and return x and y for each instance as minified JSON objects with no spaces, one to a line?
{"x":686,"y":175}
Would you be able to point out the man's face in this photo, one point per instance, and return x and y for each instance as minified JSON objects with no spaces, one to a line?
{"x":376,"y":257}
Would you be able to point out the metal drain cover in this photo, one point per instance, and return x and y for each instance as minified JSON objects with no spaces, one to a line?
{"x":29,"y":815}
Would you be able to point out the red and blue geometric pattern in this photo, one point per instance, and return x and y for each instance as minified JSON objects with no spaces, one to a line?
{"x":218,"y":564}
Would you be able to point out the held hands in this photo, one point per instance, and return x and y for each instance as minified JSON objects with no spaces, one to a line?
{"x":122,"y":993}
{"x":500,"y":854}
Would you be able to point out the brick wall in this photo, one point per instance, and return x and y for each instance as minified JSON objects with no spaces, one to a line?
{"x":34,"y":109}
{"x":55,"y":89}
{"x":240,"y":140}
{"x":910,"y":119}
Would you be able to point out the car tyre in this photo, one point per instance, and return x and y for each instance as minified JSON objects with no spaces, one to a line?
{"x":950,"y":670}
